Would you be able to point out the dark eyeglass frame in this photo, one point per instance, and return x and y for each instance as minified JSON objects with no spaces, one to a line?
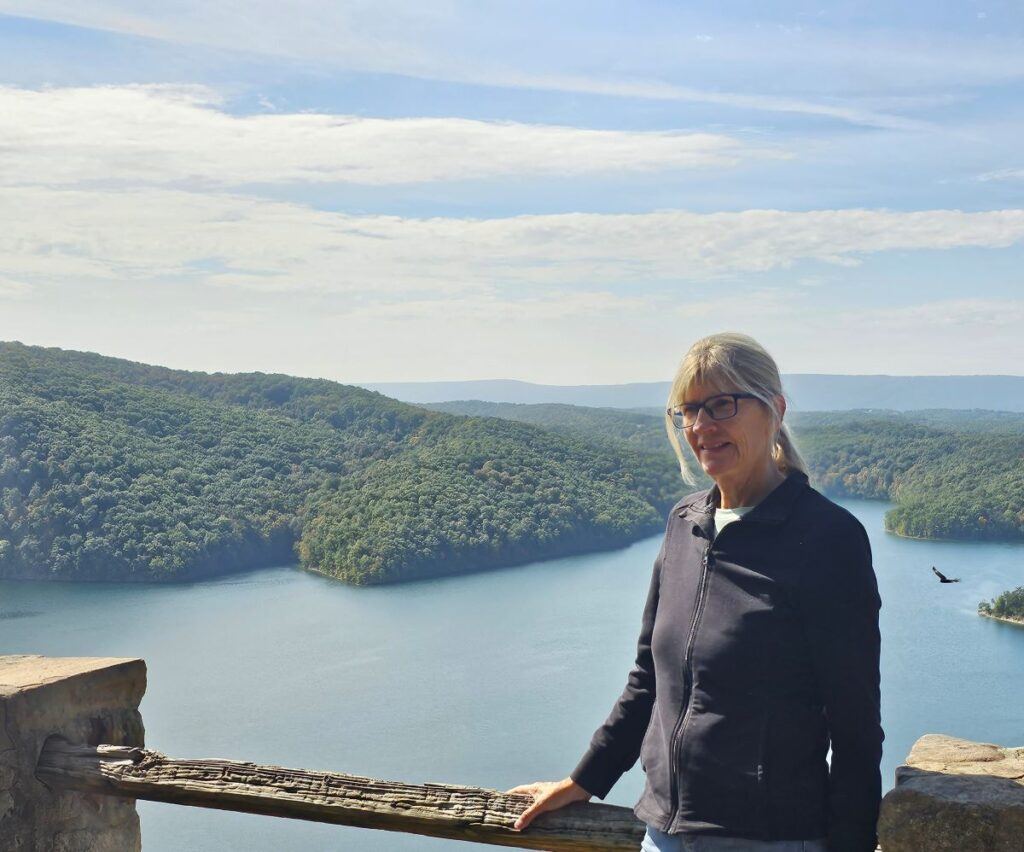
{"x":678,"y":413}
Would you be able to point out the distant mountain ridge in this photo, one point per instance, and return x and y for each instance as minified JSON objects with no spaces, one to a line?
{"x":807,"y":392}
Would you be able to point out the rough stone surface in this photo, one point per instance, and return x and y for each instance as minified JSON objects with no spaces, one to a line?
{"x":89,"y":700}
{"x":954,"y":795}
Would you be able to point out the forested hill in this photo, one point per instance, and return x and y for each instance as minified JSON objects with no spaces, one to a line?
{"x":640,"y":429}
{"x":115,"y":470}
{"x":952,"y":474}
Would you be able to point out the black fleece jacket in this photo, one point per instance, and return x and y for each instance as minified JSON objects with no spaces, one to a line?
{"x":759,"y":648}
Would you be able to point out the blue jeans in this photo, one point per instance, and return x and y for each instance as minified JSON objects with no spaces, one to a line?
{"x":658,"y":841}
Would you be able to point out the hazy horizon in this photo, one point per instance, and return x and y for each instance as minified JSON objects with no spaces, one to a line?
{"x":495,"y":379}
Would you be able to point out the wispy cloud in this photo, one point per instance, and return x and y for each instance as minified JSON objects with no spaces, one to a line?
{"x":456,"y":43}
{"x":604,"y":337}
{"x":165,"y":134}
{"x":981,"y":314}
{"x":652,"y":89}
{"x":235,"y":241}
{"x":1002,"y":174}
{"x":942,"y":336}
{"x":488,"y":305}
{"x":11,"y":289}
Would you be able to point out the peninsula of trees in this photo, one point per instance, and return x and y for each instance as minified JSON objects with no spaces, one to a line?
{"x":1009,"y":606}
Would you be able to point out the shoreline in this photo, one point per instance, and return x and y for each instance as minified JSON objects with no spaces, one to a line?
{"x":1017,"y":621}
{"x":578,"y":545}
{"x":460,"y":570}
{"x":952,"y":540}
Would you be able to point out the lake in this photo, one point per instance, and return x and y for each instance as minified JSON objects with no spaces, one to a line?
{"x":491,"y":679}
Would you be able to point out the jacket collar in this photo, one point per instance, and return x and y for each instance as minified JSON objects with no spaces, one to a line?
{"x":774,"y":508}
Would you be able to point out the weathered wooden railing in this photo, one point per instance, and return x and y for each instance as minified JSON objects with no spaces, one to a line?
{"x":436,"y":810}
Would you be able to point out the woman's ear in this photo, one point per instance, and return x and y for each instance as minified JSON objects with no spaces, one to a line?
{"x":780,"y":406}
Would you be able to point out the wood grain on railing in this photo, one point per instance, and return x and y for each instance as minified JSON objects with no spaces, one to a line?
{"x":437,"y":810}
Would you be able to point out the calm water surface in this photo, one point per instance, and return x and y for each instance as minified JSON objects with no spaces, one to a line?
{"x":493,"y":679}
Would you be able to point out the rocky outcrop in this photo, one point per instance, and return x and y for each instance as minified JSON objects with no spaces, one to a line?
{"x":87,"y":700}
{"x":954,"y":795}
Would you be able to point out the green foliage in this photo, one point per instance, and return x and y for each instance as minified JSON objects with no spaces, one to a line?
{"x":948,"y":481}
{"x":482,"y":493}
{"x":1007,"y":605}
{"x":952,"y":474}
{"x":598,"y":425}
{"x":116,"y":470}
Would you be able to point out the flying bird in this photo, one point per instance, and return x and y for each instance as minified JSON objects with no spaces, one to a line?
{"x":943,"y":578}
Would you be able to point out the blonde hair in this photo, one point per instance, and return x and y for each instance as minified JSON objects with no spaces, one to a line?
{"x":736,"y":361}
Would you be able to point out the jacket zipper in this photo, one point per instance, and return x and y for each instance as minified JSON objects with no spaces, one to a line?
{"x":688,"y":678}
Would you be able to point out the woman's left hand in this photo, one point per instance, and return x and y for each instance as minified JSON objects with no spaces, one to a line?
{"x":548,"y":796}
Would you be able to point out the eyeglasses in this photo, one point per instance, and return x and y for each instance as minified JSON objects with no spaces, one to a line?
{"x":719,"y":407}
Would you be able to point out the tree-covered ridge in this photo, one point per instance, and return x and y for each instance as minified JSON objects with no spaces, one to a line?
{"x":115,"y":470}
{"x":952,"y":474}
{"x":52,"y":373}
{"x":945,"y":419}
{"x":1007,"y":605}
{"x":947,"y":482}
{"x":599,"y":425}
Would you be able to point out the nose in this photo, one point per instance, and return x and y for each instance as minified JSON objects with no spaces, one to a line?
{"x":703,"y":421}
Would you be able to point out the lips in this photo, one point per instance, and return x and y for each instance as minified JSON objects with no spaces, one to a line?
{"x":714,"y":448}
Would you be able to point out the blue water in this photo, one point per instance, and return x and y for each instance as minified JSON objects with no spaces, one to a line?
{"x":492,"y":679}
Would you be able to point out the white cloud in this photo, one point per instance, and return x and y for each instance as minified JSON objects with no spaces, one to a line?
{"x":372,"y":35}
{"x":11,"y":289}
{"x":948,"y":336}
{"x":1002,"y":174}
{"x":489,"y":307}
{"x":165,"y":134}
{"x":241,"y":242}
{"x":985,"y":315}
{"x":653,"y":89}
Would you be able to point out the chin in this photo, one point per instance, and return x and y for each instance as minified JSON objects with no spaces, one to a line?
{"x":714,"y":469}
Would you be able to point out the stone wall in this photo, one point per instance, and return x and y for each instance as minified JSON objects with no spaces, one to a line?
{"x":89,"y":700}
{"x":955,"y":795}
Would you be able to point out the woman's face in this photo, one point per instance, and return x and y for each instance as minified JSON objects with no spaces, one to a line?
{"x":735,"y":448}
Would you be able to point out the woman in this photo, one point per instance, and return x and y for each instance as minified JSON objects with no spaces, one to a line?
{"x":759,"y":643}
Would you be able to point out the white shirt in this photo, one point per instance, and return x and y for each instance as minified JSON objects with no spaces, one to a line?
{"x":727,"y":516}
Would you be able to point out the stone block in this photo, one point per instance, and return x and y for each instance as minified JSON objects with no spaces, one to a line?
{"x":955,"y":795}
{"x":89,"y":700}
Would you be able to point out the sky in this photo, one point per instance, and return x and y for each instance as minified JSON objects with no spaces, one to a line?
{"x":557,"y":192}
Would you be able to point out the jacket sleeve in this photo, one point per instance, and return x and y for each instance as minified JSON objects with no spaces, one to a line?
{"x":615,"y":746}
{"x":840,"y":606}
